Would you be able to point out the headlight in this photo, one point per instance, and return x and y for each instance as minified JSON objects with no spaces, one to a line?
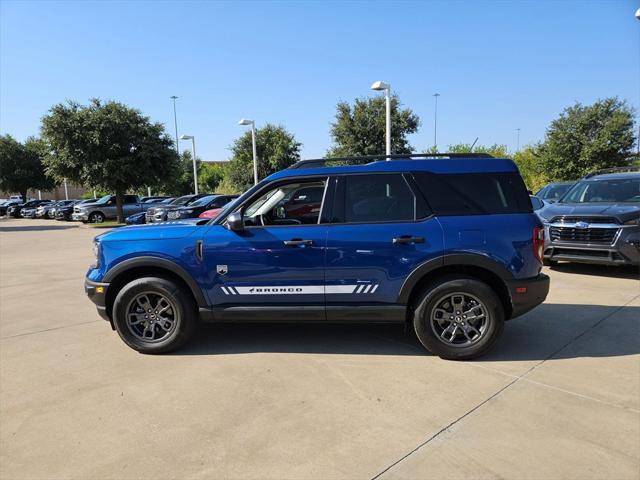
{"x":96,"y":252}
{"x":635,"y":221}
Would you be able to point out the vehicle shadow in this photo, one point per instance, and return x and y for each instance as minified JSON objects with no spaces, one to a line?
{"x":626,"y":271}
{"x":550,"y":331}
{"x":34,"y":228}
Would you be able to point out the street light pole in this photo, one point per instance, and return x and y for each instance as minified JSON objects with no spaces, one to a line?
{"x":387,"y":96}
{"x":435,"y":124}
{"x":66,"y":190}
{"x":518,"y":144}
{"x":195,"y":169}
{"x":244,"y":121}
{"x":175,"y":122}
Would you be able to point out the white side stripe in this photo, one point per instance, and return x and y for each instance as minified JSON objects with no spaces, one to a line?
{"x":300,"y":289}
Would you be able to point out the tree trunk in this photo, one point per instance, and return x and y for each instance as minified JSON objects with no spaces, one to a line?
{"x":119,"y":209}
{"x":24,"y":196}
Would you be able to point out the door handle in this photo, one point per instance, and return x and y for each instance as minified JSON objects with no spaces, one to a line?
{"x":407,"y":239}
{"x":297,"y":242}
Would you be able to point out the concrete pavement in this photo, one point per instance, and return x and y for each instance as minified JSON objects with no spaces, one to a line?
{"x":559,"y":397}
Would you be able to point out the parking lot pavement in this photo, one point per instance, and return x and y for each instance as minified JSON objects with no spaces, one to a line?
{"x":559,"y":397}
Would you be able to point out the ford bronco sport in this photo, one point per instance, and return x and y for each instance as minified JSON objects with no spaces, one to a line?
{"x":447,"y":243}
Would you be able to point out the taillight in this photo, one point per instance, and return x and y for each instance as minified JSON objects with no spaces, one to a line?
{"x":538,"y":243}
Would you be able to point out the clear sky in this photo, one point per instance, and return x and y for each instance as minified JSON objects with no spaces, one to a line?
{"x":498,"y":65}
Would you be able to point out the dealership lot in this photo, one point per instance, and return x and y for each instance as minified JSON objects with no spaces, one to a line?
{"x":559,"y":397}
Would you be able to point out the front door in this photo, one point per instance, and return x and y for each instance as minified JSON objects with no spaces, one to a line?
{"x":380,"y":232}
{"x":274,"y":269}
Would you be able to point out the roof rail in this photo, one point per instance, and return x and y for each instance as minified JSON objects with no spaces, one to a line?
{"x":630,"y":168}
{"x":321,"y":162}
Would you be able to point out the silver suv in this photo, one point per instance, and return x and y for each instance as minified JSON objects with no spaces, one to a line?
{"x":105,"y":209}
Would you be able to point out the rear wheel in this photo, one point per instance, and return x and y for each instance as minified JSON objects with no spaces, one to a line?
{"x":458,"y":318}
{"x":154,"y":315}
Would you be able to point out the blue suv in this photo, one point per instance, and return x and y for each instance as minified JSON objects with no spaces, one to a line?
{"x":448,"y":243}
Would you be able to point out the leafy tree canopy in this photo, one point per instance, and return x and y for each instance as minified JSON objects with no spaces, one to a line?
{"x":587,"y":138}
{"x":497,"y":150}
{"x":277,"y":149}
{"x":211,"y":176}
{"x":181,"y":182}
{"x":21,"y":166}
{"x":360,"y":129}
{"x":107,"y":145}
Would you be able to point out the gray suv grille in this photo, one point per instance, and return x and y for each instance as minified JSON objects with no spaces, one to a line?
{"x":575,"y":219}
{"x":583,"y":235}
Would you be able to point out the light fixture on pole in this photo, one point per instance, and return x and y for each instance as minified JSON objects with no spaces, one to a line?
{"x":245,"y":121}
{"x":175,"y":121}
{"x":387,"y":95}
{"x":638,"y":14}
{"x":518,"y":142}
{"x":435,"y":124}
{"x":193,"y":150}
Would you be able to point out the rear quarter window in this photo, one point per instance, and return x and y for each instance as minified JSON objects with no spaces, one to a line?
{"x":474,"y":193}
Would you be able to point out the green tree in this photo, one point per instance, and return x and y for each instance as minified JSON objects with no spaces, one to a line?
{"x":181,"y":182}
{"x":496,"y":150}
{"x":587,"y":138}
{"x":360,"y":129}
{"x":107,"y":146}
{"x":277,"y":149}
{"x":531,"y":167}
{"x":211,"y":176}
{"x":21,"y":166}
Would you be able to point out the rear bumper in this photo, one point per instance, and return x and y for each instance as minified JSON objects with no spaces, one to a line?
{"x":528,"y":293}
{"x":97,"y":293}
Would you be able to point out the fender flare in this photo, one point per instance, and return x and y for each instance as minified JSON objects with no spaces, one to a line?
{"x":461,"y":259}
{"x":157,"y":262}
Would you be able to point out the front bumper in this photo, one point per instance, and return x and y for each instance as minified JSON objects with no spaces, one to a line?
{"x":97,"y":293}
{"x":624,"y":248}
{"x":79,"y":216}
{"x":527,"y":293}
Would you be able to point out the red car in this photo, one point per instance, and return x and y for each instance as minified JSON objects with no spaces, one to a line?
{"x":213,"y":213}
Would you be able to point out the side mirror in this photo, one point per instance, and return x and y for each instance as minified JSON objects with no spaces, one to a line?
{"x":235,"y":222}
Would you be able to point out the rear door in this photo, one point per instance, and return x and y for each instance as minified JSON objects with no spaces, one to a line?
{"x":381,"y":230}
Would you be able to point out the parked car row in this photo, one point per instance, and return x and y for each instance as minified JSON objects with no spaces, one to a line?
{"x":138,"y":210}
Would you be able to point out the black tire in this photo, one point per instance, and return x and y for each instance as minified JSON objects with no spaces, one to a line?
{"x":96,"y":217}
{"x":478,"y":293}
{"x":183,"y":310}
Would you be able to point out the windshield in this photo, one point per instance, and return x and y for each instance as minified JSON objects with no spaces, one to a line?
{"x":553,"y":192}
{"x":203,"y":201}
{"x":604,"y":191}
{"x":229,"y":207}
{"x":181,"y":200}
{"x":104,"y":199}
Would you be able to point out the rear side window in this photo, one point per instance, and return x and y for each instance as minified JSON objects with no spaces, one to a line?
{"x":130,"y":199}
{"x":376,"y":198}
{"x":474,"y":193}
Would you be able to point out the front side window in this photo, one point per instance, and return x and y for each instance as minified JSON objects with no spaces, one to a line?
{"x":296,"y":203}
{"x":377,"y":198}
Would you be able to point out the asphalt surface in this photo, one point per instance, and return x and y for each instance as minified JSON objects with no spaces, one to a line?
{"x":558,"y":398}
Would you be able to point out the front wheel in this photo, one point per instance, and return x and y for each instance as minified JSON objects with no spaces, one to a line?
{"x":154,"y":315}
{"x":458,"y":318}
{"x":96,"y":217}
